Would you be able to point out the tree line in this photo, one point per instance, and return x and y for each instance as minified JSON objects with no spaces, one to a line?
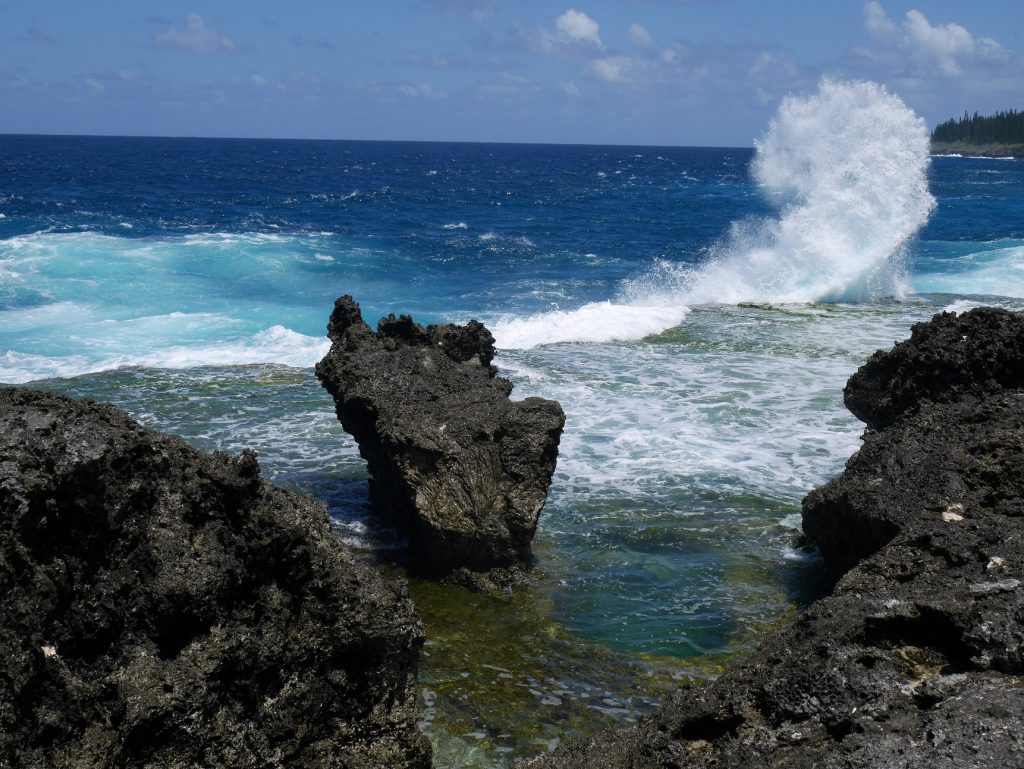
{"x":1001,"y":128}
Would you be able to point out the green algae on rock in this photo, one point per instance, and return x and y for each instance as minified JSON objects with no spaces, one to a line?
{"x":502,"y":680}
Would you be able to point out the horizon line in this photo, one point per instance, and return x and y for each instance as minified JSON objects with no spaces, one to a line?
{"x":5,"y":134}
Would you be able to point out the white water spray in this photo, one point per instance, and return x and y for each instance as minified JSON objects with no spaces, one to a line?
{"x":847,"y":169}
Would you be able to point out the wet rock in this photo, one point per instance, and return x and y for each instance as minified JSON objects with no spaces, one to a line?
{"x":915,"y":659}
{"x":979,"y":352}
{"x":163,"y":607}
{"x":454,"y":463}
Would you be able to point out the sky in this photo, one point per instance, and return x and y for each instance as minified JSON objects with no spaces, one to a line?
{"x":662,"y":72}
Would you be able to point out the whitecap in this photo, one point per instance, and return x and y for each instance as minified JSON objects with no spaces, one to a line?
{"x":594,"y":322}
{"x":276,"y":344}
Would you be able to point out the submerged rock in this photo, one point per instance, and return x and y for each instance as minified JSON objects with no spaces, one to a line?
{"x":456,"y":464}
{"x":915,"y":659}
{"x":163,"y":607}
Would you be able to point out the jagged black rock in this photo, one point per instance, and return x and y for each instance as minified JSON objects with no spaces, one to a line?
{"x":164,"y":607}
{"x":458,"y":466}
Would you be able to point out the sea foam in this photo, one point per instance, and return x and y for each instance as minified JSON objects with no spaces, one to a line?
{"x":846,"y":169}
{"x":594,"y":322}
{"x":276,"y":344}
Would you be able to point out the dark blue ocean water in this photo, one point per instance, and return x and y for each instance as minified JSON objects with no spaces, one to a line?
{"x":696,"y":317}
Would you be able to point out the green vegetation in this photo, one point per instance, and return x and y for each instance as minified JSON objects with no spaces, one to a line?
{"x":998,"y":134}
{"x":1001,"y":128}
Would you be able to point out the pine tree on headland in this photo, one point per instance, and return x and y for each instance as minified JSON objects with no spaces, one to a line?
{"x":1005,"y":127}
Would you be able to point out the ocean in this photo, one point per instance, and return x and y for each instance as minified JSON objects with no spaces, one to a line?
{"x":696,"y":311}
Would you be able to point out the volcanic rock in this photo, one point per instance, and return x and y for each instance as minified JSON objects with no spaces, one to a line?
{"x":916,"y":658}
{"x":980,"y":352}
{"x":164,"y":607}
{"x":453,"y":462}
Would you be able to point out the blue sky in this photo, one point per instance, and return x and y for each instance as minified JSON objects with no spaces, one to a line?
{"x":676,"y":72}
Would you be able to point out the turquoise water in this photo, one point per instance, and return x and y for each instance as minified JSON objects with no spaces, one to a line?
{"x":696,"y":312}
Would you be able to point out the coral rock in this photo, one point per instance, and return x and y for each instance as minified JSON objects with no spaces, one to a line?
{"x":456,"y":464}
{"x":164,"y":607}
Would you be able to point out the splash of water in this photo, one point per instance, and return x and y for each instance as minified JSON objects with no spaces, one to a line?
{"x":847,"y":169}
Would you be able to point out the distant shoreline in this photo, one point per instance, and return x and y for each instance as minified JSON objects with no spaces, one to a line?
{"x":978,"y":150}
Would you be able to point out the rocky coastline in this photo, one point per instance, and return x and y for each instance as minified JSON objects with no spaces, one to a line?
{"x":958,"y":149}
{"x":915,"y":659}
{"x":164,"y":607}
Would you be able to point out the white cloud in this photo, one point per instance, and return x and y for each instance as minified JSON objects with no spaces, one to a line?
{"x":509,"y":84}
{"x":617,"y":69}
{"x":196,"y":36}
{"x":675,"y":64}
{"x":774,"y":74}
{"x":569,"y":88}
{"x":942,"y":49}
{"x":941,"y":44}
{"x":574,"y":32}
{"x":577,"y":27}
{"x":876,"y":20}
{"x":773,"y":67}
{"x":639,"y":35}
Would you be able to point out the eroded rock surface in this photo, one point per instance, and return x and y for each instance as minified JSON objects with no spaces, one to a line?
{"x":453,"y":461}
{"x":163,"y":607}
{"x":980,"y":352}
{"x":915,"y":659}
